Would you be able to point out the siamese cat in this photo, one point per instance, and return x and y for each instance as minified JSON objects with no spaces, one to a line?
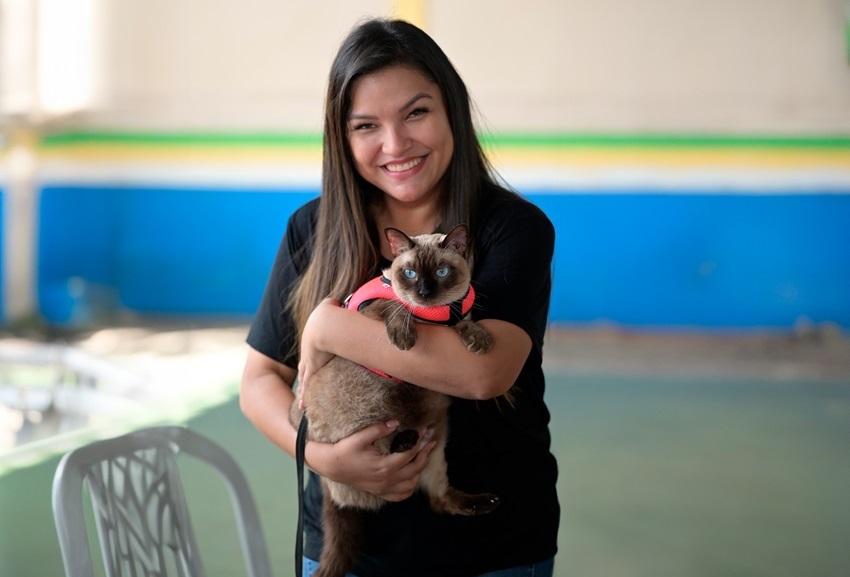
{"x":429,"y":280}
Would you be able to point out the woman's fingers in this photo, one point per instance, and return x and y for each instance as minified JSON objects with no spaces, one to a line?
{"x":393,"y":476}
{"x":408,"y":475}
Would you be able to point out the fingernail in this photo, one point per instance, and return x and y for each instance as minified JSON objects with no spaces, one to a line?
{"x":426,"y":438}
{"x":392,"y":424}
{"x":301,"y":404}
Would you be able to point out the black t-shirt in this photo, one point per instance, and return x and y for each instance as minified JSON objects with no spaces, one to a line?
{"x":492,"y":447}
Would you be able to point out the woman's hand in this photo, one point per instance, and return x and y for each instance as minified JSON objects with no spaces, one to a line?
{"x":313,"y":354}
{"x":355,"y":461}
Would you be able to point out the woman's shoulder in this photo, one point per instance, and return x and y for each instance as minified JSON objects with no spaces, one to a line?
{"x":304,"y":217}
{"x":302,"y":222}
{"x":297,"y":241}
{"x":509,"y":210}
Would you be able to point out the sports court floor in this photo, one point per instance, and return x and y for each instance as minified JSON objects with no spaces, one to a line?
{"x":678,"y":456}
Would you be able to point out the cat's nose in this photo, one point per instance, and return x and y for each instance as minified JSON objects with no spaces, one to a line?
{"x":424,"y":289}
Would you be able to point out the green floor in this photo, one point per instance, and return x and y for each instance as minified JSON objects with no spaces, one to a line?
{"x":659,"y":477}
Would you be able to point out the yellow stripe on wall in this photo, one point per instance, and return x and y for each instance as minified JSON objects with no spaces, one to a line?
{"x":658,"y":157}
{"x":188,"y":154}
{"x":661,"y":157}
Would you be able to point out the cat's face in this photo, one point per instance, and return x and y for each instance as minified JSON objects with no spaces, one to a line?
{"x":430,"y":269}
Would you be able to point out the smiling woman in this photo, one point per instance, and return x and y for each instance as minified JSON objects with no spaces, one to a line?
{"x":402,"y":144}
{"x":401,"y":151}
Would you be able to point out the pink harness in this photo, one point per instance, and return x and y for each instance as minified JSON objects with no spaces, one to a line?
{"x":381,"y":288}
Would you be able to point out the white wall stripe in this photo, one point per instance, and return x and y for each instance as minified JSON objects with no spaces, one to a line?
{"x":554,"y":180}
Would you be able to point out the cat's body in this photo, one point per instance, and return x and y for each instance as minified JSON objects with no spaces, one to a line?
{"x":343,"y":397}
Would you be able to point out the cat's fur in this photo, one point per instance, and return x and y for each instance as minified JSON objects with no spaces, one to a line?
{"x":344,"y":397}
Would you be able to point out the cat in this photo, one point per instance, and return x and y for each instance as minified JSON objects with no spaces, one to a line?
{"x":429,"y":280}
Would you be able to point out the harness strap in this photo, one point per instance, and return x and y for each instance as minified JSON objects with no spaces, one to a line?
{"x":385,"y":375}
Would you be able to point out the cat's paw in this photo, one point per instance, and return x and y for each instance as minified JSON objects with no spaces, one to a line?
{"x":480,"y":345}
{"x":476,"y":339}
{"x":404,"y":440}
{"x":485,"y":503}
{"x":480,"y":504}
{"x":403,"y":337}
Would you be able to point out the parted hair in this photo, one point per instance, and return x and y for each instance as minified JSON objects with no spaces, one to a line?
{"x":346,"y":243}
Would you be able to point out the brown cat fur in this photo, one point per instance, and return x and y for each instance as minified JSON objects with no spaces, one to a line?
{"x":344,"y":397}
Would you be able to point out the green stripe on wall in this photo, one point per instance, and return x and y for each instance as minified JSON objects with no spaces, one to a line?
{"x":181,"y":139}
{"x":664,"y":141}
{"x":518,"y":140}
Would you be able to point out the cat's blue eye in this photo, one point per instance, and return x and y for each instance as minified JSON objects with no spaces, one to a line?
{"x":409,"y":273}
{"x":442,"y":271}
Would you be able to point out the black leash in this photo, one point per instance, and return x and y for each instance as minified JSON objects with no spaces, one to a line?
{"x":300,"y":444}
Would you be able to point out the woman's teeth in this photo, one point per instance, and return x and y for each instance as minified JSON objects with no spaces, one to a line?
{"x":405,"y":166}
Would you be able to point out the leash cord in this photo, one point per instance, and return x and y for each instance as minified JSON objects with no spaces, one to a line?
{"x":300,"y":444}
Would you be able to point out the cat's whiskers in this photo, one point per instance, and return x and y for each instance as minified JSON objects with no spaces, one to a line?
{"x":397,"y":309}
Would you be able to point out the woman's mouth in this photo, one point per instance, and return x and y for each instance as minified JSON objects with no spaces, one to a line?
{"x":404,"y":166}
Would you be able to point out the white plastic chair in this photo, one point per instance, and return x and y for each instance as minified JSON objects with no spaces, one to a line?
{"x":140,"y":508}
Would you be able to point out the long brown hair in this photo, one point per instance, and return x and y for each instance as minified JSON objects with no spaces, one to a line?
{"x":346,"y":253}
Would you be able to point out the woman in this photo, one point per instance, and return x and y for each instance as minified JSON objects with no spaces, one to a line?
{"x":400,"y":150}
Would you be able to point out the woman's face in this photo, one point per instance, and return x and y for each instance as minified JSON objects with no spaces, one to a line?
{"x":399,"y":134}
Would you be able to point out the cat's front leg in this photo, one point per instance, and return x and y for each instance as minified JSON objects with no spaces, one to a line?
{"x":401,"y":329}
{"x":474,"y":336}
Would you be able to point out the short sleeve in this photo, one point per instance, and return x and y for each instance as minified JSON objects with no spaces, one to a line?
{"x":513,"y":267}
{"x":273,"y":331}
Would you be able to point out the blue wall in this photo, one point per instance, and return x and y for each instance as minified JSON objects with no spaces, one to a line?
{"x":706,"y":260}
{"x":157,"y":251}
{"x":629,"y":257}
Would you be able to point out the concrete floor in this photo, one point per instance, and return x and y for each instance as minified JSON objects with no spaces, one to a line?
{"x":679,"y":454}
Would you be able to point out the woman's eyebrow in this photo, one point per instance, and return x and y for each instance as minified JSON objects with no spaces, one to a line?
{"x":410,"y":102}
{"x":361,"y":116}
{"x":405,"y":106}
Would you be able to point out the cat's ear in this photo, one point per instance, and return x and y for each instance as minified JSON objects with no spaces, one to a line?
{"x":399,"y":242}
{"x":456,"y":239}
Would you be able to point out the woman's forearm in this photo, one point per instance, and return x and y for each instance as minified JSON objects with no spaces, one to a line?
{"x":439,"y":360}
{"x":266,"y":396}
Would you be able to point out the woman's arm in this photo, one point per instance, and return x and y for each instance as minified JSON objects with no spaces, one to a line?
{"x":266,"y":397}
{"x":439,"y":360}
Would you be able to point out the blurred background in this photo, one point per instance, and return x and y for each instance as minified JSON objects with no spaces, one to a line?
{"x":693,"y":155}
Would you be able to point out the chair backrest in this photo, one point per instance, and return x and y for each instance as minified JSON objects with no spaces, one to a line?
{"x":139,"y":505}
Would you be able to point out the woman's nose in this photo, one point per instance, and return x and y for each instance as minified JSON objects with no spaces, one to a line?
{"x":396,"y":141}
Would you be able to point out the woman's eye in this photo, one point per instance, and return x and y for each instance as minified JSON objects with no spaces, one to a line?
{"x":409,"y":273}
{"x":417,"y":112}
{"x":363,"y":126}
{"x":442,"y":271}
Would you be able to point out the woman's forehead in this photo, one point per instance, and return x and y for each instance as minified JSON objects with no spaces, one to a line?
{"x":398,"y":84}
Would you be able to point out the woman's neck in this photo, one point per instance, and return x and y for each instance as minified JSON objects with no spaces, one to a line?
{"x":412,"y":221}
